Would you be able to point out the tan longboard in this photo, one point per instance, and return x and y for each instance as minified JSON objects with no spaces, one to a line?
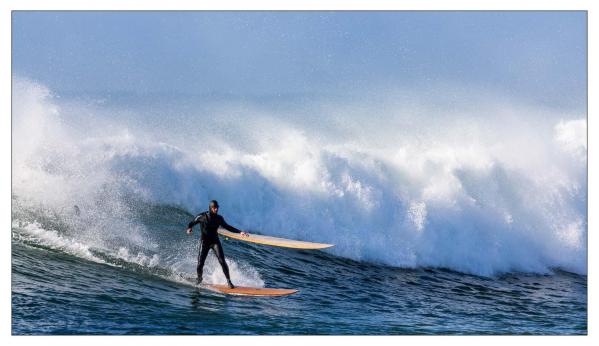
{"x":250,"y":291}
{"x":273,"y":241}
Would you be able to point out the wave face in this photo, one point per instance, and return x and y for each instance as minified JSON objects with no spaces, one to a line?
{"x":454,"y":179}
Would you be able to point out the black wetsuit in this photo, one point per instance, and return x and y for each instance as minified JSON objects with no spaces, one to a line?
{"x":209,"y":224}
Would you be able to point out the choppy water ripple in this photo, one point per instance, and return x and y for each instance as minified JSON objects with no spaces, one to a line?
{"x":58,"y":293}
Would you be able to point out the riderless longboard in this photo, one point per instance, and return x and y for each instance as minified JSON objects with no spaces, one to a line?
{"x":273,"y":241}
{"x":249,"y":291}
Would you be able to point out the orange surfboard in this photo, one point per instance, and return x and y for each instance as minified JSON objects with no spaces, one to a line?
{"x":273,"y":241}
{"x":250,"y":291}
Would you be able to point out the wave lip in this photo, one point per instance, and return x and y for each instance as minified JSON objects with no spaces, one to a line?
{"x":489,"y":190}
{"x":34,"y":233}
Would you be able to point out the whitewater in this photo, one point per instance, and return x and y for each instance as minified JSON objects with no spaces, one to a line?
{"x":401,"y":179}
{"x":452,"y":211}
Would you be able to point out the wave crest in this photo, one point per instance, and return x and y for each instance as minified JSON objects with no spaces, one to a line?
{"x":481,"y":191}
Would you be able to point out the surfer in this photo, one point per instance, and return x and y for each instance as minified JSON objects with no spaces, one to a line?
{"x":209,"y":222}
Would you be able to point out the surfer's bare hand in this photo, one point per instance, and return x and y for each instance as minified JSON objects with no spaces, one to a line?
{"x":188,"y":231}
{"x":244,"y":234}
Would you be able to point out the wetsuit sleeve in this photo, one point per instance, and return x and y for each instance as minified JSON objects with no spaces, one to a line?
{"x":201,"y":218}
{"x":228,"y":227}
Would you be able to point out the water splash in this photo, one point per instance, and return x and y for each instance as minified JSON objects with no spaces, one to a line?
{"x":481,"y":187}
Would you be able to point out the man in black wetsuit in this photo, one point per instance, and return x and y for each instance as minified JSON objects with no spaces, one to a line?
{"x":209,"y":222}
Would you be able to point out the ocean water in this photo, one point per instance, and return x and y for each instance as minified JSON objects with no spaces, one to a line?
{"x":447,"y":218}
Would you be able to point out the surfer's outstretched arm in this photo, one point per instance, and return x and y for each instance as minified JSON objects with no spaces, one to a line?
{"x":200,"y":218}
{"x":230,"y":228}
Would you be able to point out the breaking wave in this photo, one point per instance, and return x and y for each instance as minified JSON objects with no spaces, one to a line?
{"x":401,"y":178}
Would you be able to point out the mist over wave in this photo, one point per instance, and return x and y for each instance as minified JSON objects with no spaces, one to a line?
{"x":454,"y":179}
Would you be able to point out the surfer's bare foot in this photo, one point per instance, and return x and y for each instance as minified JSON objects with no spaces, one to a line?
{"x":198,"y":281}
{"x":230,"y":284}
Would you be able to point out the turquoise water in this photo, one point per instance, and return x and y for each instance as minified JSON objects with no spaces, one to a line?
{"x":57,"y":290}
{"x":466,"y":217}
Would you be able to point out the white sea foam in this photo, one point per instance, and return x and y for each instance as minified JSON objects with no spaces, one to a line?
{"x":484,"y":188}
{"x":139,"y":258}
{"x":571,"y":135}
{"x":35,"y":233}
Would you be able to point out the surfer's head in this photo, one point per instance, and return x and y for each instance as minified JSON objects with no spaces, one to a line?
{"x":213,"y":207}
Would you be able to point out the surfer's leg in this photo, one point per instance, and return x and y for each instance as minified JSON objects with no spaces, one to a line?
{"x":202,"y":254}
{"x":220,"y":254}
